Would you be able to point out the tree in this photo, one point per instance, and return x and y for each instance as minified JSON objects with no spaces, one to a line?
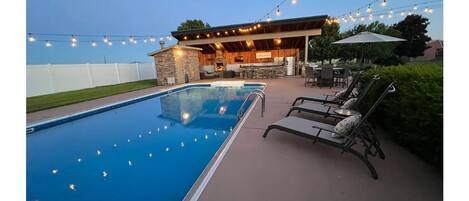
{"x":413,"y":28}
{"x":322,"y":48}
{"x":192,"y":24}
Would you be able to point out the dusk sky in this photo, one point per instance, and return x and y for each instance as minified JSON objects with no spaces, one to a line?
{"x":150,"y":17}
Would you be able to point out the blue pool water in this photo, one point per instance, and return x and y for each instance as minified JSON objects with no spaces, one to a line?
{"x":153,"y":149}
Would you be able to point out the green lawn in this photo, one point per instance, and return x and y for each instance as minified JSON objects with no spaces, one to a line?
{"x":66,"y":98}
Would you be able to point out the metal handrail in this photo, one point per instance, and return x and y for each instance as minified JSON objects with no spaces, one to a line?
{"x":256,"y":92}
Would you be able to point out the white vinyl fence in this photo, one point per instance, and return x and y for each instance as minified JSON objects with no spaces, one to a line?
{"x":52,"y":78}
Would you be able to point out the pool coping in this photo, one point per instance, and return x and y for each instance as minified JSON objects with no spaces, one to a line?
{"x":204,"y":178}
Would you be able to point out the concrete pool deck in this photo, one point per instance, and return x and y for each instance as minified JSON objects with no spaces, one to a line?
{"x":287,"y":167}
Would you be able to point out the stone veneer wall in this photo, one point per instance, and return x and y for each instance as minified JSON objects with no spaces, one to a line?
{"x":171,"y":63}
{"x":165,"y":66}
{"x":190,"y":64}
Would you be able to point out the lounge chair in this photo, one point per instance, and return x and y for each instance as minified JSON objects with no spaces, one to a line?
{"x":334,"y":99}
{"x":321,"y":132}
{"x":328,"y":110}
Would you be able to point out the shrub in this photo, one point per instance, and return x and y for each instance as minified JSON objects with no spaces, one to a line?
{"x":413,"y":115}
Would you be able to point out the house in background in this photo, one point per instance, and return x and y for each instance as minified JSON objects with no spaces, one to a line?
{"x":434,"y":51}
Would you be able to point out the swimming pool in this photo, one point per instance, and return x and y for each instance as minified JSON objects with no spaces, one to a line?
{"x":150,"y":148}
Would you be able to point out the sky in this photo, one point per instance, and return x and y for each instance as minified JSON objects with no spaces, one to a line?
{"x":160,"y":17}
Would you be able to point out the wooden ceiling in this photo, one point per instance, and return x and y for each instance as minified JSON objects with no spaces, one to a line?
{"x":295,"y":24}
{"x":262,"y":45}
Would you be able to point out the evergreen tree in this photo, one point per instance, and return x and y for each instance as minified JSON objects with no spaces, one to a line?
{"x":413,"y":28}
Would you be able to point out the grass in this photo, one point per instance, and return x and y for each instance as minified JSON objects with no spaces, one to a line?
{"x":38,"y":103}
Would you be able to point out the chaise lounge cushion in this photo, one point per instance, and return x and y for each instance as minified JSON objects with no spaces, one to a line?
{"x":340,"y":94}
{"x":349,"y":103}
{"x":344,"y":127}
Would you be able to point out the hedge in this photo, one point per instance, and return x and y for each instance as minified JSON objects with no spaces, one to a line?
{"x":413,"y":115}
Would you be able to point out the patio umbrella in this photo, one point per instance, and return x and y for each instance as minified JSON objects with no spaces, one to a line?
{"x":368,"y":37}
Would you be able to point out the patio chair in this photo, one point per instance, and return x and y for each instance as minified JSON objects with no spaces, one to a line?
{"x":328,"y":110}
{"x":321,"y":132}
{"x":309,"y":76}
{"x":342,"y":76}
{"x":327,"y":76}
{"x":333,"y":99}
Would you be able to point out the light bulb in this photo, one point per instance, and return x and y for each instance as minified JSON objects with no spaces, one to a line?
{"x":402,"y":14}
{"x":152,"y":39}
{"x":48,"y":44}
{"x":74,"y":44}
{"x":131,"y":39}
{"x":109,"y":43}
{"x":293,"y":2}
{"x":93,"y":44}
{"x":430,"y":10}
{"x":384,"y":3}
{"x":415,"y":7}
{"x":31,"y":38}
{"x":362,"y":19}
{"x":269,"y":18}
{"x":123,"y":43}
{"x":358,"y":13}
{"x":73,"y":39}
{"x":370,"y":17}
{"x":105,"y":39}
{"x":277,"y":12}
{"x":369,"y":9}
{"x":144,"y":40}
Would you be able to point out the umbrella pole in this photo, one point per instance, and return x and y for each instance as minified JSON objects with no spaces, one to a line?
{"x":361,"y":57}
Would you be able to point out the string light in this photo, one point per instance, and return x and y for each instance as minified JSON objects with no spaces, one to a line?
{"x":369,"y":10}
{"x":384,"y":3}
{"x":277,"y":12}
{"x":48,"y":44}
{"x":31,"y":39}
{"x":73,"y":39}
{"x":269,"y":18}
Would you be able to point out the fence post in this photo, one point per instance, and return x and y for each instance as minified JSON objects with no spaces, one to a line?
{"x":117,"y":73}
{"x":90,"y":74}
{"x":138,"y":71}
